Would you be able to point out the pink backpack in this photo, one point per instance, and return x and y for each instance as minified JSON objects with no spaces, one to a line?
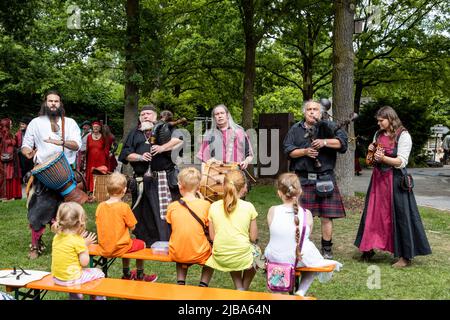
{"x":281,"y":276}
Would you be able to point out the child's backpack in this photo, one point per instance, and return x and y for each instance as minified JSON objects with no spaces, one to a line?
{"x":280,"y":276}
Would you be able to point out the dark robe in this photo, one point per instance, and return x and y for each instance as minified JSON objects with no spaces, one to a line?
{"x":150,"y":227}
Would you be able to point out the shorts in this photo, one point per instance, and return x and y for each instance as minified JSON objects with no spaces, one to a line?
{"x":136,"y":245}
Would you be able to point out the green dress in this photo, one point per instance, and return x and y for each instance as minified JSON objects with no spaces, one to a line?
{"x":232,"y":250}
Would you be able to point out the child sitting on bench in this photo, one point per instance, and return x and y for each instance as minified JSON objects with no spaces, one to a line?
{"x":188,"y":243}
{"x":233,"y":228}
{"x":114,"y":220}
{"x":69,"y":250}
{"x":285,"y":225}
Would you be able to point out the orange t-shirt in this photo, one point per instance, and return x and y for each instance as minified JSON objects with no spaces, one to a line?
{"x":188,"y":243}
{"x":113,"y":222}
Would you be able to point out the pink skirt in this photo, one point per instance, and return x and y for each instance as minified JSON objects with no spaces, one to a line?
{"x":378,"y":229}
{"x":87,"y":274}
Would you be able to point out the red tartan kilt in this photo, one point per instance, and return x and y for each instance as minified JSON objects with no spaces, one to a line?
{"x":328,"y":207}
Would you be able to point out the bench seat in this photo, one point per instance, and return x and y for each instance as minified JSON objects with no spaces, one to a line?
{"x":144,"y":254}
{"x":149,"y":254}
{"x":140,"y":290}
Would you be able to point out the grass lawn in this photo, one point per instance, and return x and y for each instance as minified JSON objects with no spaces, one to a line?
{"x":428,"y":278}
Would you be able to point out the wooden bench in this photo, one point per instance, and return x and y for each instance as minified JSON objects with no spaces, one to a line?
{"x":140,"y":290}
{"x":106,"y":262}
{"x":149,"y":254}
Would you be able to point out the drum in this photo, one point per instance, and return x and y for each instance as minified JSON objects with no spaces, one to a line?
{"x":213,"y":174}
{"x":56,"y":174}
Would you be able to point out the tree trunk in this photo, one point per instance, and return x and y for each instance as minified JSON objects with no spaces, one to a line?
{"x":131,"y":93}
{"x":308,"y":88}
{"x":250,"y":63}
{"x":343,"y":64}
{"x":131,"y":52}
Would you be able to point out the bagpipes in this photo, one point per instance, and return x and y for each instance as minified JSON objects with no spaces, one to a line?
{"x":161,"y":134}
{"x":325,"y":128}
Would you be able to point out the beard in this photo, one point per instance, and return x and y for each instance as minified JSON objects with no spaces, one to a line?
{"x":52,"y":114}
{"x":146,"y":125}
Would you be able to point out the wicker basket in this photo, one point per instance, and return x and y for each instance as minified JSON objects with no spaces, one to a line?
{"x":100,"y":191}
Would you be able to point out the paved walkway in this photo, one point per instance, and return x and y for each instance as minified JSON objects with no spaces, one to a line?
{"x":431,"y":186}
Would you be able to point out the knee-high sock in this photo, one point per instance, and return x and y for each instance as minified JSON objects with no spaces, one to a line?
{"x":305,"y":282}
{"x":36,"y":235}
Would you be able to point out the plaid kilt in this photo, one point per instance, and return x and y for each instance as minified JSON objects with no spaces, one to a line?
{"x":328,"y":207}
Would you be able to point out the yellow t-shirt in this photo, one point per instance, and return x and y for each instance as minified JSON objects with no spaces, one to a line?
{"x":232,"y":250}
{"x":113,"y":222}
{"x":188,"y":243}
{"x":65,"y":261}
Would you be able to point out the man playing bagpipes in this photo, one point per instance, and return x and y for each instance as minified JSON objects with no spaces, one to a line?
{"x":154,"y":184}
{"x":312,"y":146}
{"x":52,"y":141}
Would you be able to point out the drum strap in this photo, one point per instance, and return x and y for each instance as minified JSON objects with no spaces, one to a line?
{"x":62,"y":131}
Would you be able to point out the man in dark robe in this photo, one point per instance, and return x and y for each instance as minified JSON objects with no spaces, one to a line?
{"x":154,"y":184}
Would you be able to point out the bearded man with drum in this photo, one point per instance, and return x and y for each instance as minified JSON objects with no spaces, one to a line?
{"x":154,"y":184}
{"x":47,"y":136}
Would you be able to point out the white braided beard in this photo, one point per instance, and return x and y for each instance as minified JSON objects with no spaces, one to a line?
{"x":147,"y":125}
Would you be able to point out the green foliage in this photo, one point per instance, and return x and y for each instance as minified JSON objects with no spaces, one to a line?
{"x":191,"y":55}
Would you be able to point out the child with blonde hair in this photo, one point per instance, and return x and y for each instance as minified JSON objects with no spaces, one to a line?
{"x":115,"y":220}
{"x":233,"y":228}
{"x":188,"y":243}
{"x":285,"y":222}
{"x":69,"y":249}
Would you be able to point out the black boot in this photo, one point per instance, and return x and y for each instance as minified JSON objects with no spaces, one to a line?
{"x":326,"y":251}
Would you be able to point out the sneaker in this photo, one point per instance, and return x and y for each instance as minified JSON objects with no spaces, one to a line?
{"x":327,"y":253}
{"x":299,"y":293}
{"x":147,"y":277}
{"x":127,"y":277}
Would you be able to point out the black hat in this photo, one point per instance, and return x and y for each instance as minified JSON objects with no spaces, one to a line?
{"x":84,"y":123}
{"x":26,"y":120}
{"x":149,"y":107}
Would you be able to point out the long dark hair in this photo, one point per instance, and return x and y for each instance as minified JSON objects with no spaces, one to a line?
{"x":395,"y":124}
{"x":44,"y":110}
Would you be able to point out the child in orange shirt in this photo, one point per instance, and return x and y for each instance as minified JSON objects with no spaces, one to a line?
{"x":188,"y":243}
{"x":114,"y":220}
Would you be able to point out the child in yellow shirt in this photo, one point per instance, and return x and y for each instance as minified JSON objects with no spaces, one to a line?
{"x":188,"y":243}
{"x":232,"y":226}
{"x":114,"y":220}
{"x":69,"y":250}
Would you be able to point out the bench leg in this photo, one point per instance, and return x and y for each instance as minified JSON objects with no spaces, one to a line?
{"x":33,"y":294}
{"x":102,"y":262}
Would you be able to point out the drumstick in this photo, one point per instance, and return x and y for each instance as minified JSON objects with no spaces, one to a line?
{"x":246,"y":171}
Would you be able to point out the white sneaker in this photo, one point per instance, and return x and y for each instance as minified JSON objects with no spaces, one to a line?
{"x":298,"y":293}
